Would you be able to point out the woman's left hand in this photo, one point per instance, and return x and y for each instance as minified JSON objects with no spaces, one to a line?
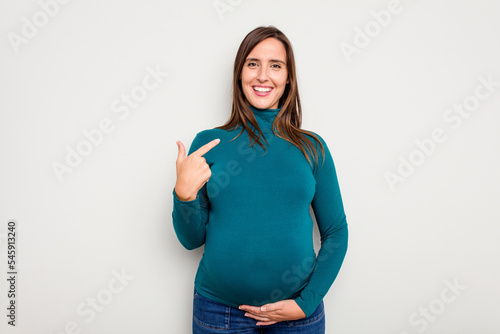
{"x":272,"y":313}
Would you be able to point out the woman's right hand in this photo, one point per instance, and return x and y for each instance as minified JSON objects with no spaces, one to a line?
{"x":192,"y":171}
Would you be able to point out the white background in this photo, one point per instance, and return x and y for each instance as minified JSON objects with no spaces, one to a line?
{"x":112,"y":212}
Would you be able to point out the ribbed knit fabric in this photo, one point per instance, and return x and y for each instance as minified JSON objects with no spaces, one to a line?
{"x":253,"y":216}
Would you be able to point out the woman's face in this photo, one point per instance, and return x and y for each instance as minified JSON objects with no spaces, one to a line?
{"x":265,"y":75}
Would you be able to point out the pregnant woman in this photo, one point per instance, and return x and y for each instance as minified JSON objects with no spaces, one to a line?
{"x":245,"y":189}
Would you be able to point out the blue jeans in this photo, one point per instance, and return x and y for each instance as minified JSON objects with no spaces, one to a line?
{"x":210,"y":316}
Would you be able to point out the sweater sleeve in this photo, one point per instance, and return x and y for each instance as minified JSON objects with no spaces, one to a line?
{"x":331,"y":219}
{"x":190,"y":217}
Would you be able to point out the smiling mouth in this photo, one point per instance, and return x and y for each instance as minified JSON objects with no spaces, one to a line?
{"x":262,"y":89}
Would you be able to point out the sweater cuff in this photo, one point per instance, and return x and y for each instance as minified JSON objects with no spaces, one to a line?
{"x":179,"y":201}
{"x":303,"y":305}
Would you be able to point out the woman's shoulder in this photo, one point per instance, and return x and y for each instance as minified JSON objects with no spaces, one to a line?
{"x":319,"y":148}
{"x":207,"y":135}
{"x":211,"y":134}
{"x":317,"y":135}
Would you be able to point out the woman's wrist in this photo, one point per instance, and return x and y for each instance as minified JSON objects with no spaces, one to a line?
{"x":183,"y":195}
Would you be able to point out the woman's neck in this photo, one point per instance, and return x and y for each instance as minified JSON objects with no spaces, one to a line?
{"x":265,"y":117}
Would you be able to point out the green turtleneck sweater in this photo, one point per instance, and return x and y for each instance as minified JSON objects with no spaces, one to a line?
{"x":253,"y":216}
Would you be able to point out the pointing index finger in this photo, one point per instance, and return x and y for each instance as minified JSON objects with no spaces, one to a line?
{"x":207,"y":147}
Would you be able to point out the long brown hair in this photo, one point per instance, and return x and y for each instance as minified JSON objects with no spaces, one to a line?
{"x":288,"y":121}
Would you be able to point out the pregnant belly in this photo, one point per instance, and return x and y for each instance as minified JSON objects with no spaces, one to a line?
{"x":257,"y":270}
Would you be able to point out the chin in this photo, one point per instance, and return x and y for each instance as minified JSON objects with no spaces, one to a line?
{"x":262,"y":104}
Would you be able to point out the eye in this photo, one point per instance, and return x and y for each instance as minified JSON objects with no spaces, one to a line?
{"x":276,"y":66}
{"x":252,"y":64}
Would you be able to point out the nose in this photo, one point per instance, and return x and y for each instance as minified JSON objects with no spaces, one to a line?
{"x":262,"y":76}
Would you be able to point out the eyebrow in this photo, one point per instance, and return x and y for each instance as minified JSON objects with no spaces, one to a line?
{"x":271,"y":60}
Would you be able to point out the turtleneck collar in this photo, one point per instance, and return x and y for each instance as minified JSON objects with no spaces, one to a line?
{"x":265,"y":118}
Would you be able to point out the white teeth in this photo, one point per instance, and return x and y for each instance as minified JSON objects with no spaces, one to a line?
{"x":262,"y":89}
